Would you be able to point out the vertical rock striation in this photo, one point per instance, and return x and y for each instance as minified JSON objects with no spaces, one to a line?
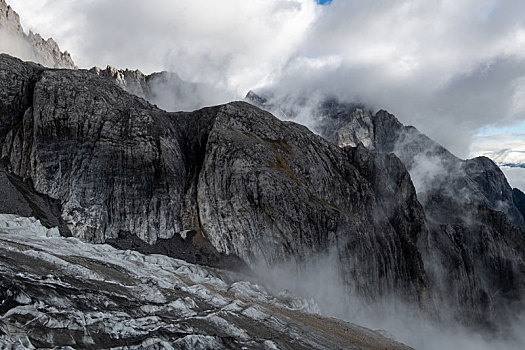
{"x":470,"y":222}
{"x":272,"y":191}
{"x":237,"y":179}
{"x":255,"y":187}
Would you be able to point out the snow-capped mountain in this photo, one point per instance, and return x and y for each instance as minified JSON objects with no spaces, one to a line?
{"x":506,"y":157}
{"x":508,"y":151}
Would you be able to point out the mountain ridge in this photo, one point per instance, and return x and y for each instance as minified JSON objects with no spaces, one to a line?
{"x":253,"y":186}
{"x":465,"y":203}
{"x":29,"y":46}
{"x":165,"y":89}
{"x":389,"y":219}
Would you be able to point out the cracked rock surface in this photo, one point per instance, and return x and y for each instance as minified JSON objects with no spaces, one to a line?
{"x":251,"y":185}
{"x":468,"y":221}
{"x":233,"y":183}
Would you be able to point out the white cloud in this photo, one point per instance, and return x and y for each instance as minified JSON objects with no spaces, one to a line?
{"x":506,"y":150}
{"x":501,"y":148}
{"x":515,"y":177}
{"x":447,"y":67}
{"x":231,"y":43}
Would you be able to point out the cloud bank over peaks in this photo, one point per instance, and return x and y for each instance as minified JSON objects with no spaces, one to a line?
{"x":233,"y":43}
{"x":447,"y":67}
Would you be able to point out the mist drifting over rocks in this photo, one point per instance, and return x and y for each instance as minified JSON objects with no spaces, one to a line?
{"x":460,"y":198}
{"x":462,"y":68}
{"x":31,"y":47}
{"x":144,"y":172}
{"x":373,"y":222}
{"x":166,"y":90}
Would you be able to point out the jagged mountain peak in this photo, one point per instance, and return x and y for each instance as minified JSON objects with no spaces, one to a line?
{"x":433,"y":168}
{"x":165,"y":89}
{"x":30,"y":46}
{"x":249,"y":185}
{"x":183,"y":229}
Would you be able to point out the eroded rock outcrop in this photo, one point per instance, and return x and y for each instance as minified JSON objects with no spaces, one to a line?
{"x":433,"y":169}
{"x":273,"y":191}
{"x":249,"y":185}
{"x":256,"y":187}
{"x":164,"y":89}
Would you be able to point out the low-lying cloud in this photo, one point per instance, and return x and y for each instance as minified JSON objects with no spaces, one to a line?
{"x":14,"y":45}
{"x":447,"y":67}
{"x":319,"y":281}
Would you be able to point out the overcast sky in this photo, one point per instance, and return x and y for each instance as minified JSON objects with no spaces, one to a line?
{"x":449,"y":67}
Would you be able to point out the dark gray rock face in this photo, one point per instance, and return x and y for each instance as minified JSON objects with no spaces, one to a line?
{"x":476,"y":262}
{"x":272,"y":191}
{"x":30,"y":46}
{"x":54,"y":144}
{"x":470,"y":224}
{"x":263,"y":190}
{"x":189,"y":246}
{"x":20,"y":198}
{"x":401,"y":208}
{"x":470,"y":253}
{"x":255,"y":187}
{"x":433,"y":169}
{"x":519,"y":200}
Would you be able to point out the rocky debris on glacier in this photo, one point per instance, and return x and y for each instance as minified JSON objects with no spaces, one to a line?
{"x":58,"y":292}
{"x":247,"y":183}
{"x":32,"y":47}
{"x":20,"y":198}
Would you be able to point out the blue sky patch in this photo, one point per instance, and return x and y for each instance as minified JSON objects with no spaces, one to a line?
{"x":518,"y":128}
{"x":324,"y":2}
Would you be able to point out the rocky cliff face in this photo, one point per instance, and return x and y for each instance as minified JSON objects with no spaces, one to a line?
{"x":472,"y":235}
{"x":236,"y":181}
{"x":30,"y":46}
{"x":134,"y":82}
{"x":519,"y":200}
{"x":255,"y":187}
{"x":434,"y":170}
